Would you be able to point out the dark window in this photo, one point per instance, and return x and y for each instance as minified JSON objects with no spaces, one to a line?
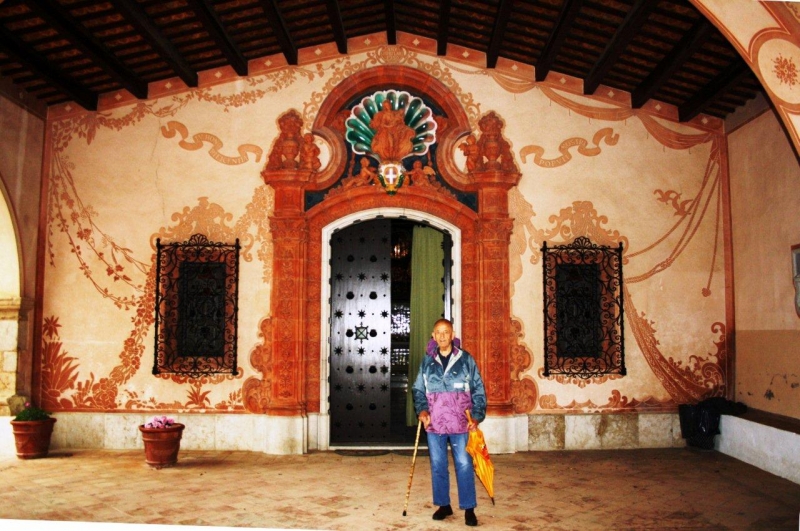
{"x":583,"y":314}
{"x":196,"y":307}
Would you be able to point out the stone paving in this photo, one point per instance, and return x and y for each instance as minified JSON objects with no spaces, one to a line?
{"x":659,"y":489}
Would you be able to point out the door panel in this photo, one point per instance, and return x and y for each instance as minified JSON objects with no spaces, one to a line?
{"x":360,"y":407}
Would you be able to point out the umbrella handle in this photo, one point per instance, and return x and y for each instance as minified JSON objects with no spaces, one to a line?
{"x":413,"y":463}
{"x":469,"y":417}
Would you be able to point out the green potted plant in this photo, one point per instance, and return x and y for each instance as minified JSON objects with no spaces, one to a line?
{"x":32,"y":429}
{"x":162,"y":440}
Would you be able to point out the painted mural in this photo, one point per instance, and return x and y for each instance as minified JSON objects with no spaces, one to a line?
{"x":191,"y":163}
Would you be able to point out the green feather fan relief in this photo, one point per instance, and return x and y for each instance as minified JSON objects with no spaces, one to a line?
{"x":416,"y":115}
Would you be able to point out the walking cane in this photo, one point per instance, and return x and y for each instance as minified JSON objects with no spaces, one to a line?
{"x":413,"y":462}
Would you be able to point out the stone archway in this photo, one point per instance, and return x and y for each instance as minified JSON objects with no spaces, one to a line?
{"x":289,"y":357}
{"x":15,"y":372}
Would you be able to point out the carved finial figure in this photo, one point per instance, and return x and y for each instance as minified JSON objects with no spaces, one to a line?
{"x":472,"y":151}
{"x":493,"y":147}
{"x":309,"y":154}
{"x":393,"y":138}
{"x":287,"y":146}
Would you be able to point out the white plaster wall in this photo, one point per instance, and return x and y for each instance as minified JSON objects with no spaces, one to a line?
{"x":765,"y":192}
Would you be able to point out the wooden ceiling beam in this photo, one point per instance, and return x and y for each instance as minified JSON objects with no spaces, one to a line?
{"x":690,"y":43}
{"x":39,"y":64}
{"x":634,"y":20}
{"x":718,"y":86}
{"x":136,"y":16}
{"x":444,"y":28}
{"x":337,"y":25}
{"x":281,"y":31}
{"x":213,"y":25}
{"x":391,"y":22}
{"x":65,"y":24}
{"x":569,"y":11}
{"x":503,"y":14}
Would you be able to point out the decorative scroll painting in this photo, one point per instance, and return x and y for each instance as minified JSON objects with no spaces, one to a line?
{"x":191,"y":164}
{"x":703,"y":374}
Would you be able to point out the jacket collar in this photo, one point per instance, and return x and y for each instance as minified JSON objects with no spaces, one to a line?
{"x":454,"y":357}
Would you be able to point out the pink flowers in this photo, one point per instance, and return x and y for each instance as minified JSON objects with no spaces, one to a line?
{"x":160,"y":422}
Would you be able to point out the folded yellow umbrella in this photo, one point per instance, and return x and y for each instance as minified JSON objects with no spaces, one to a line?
{"x":484,"y":469}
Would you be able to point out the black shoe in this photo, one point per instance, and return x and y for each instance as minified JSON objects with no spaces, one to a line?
{"x":469,"y":518}
{"x":442,"y":512}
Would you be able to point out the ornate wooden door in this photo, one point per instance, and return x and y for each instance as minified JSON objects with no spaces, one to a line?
{"x":360,"y":407}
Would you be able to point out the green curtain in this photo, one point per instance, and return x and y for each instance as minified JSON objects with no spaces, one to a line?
{"x":427,"y":305}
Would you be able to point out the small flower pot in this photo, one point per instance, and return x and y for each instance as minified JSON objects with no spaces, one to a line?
{"x":32,"y":437}
{"x":161,"y":445}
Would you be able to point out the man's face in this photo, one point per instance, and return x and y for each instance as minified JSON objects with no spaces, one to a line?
{"x":443,"y":335}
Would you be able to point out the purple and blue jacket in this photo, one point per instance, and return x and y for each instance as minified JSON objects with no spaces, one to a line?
{"x":447,"y":393}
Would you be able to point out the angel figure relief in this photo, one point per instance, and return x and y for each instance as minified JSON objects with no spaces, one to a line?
{"x":421,"y":176}
{"x":309,"y":154}
{"x":472,"y":151}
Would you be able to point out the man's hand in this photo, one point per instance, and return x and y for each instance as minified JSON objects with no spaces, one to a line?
{"x":472,"y":424}
{"x":425,"y":417}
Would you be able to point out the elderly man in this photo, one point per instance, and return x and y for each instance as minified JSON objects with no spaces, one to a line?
{"x":448,"y":384}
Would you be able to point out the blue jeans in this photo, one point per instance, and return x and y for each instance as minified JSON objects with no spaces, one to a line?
{"x":440,"y":475}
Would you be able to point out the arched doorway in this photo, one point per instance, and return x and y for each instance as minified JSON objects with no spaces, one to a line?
{"x":394,"y":399}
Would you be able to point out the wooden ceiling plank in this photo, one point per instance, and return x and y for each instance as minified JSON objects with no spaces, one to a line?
{"x":213,"y":25}
{"x":708,"y":94}
{"x":64,"y":23}
{"x":501,"y":21}
{"x":569,"y":11}
{"x":41,"y":66}
{"x":634,"y":20}
{"x":444,"y":26}
{"x":285,"y":41}
{"x":689,"y":44}
{"x":137,"y":17}
{"x":337,"y":25}
{"x":391,"y":22}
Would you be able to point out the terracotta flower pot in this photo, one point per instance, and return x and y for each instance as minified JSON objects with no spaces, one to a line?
{"x":161,"y":445}
{"x":32,"y":437}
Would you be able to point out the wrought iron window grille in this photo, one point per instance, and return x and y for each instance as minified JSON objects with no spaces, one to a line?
{"x":196,"y":307}
{"x":583,"y":311}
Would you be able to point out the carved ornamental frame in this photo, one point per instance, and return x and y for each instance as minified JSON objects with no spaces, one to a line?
{"x":289,"y":356}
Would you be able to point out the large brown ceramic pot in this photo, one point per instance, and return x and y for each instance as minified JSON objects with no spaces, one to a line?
{"x":32,"y":437}
{"x":161,"y":445}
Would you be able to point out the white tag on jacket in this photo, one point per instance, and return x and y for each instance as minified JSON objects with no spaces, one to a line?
{"x":458,"y":385}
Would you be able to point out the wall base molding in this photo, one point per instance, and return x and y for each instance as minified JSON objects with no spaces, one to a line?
{"x":281,"y":435}
{"x":608,"y":431}
{"x":768,"y":448}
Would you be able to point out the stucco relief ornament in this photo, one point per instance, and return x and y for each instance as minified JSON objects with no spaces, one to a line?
{"x":291,"y":143}
{"x":389,"y":126}
{"x":491,"y":151}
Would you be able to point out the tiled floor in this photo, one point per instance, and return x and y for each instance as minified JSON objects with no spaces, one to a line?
{"x":683,"y":489}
